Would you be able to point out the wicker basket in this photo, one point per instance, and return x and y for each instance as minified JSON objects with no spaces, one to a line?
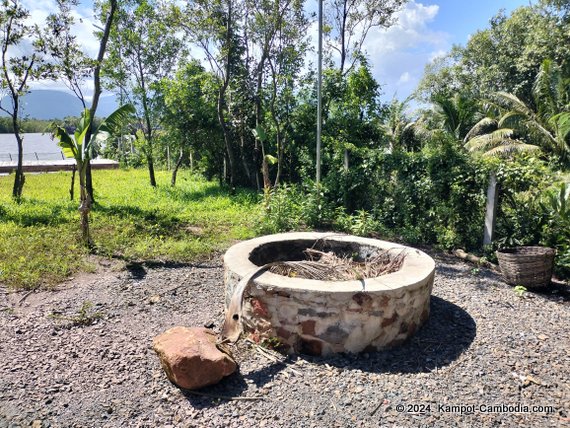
{"x":527,"y":266}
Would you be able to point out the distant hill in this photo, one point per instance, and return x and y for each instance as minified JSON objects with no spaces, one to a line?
{"x":50,"y":104}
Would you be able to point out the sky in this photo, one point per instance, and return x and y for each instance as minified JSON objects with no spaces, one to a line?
{"x":424,"y":30}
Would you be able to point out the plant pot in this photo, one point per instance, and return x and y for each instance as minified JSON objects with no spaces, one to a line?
{"x":529,"y":266}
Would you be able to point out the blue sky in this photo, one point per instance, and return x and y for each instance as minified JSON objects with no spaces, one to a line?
{"x":425,"y":29}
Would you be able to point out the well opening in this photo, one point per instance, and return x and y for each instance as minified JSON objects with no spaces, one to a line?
{"x":294,"y":250}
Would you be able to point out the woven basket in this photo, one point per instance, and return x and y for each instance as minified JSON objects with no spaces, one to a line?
{"x":527,"y":266}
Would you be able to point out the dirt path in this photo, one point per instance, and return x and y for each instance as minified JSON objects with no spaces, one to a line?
{"x":81,"y":357}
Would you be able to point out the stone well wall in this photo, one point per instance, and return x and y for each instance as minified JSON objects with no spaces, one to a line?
{"x":323,"y":317}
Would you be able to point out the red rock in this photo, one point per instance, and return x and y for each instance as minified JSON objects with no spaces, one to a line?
{"x":308,"y":327}
{"x":190,"y":358}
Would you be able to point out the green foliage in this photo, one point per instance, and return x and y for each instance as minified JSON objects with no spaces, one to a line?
{"x":520,"y":216}
{"x":190,"y":119}
{"x":504,"y":57}
{"x":433,"y":196}
{"x":556,"y":228}
{"x":361,"y":223}
{"x":520,"y":290}
{"x":27,"y":125}
{"x":39,"y":245}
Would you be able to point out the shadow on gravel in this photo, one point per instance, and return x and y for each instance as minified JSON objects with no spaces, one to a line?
{"x":555,"y":292}
{"x":448,"y":332}
{"x":450,"y":271}
{"x":136,"y":270}
{"x":232,"y":386}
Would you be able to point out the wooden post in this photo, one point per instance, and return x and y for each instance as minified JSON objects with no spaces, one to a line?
{"x":491,"y":213}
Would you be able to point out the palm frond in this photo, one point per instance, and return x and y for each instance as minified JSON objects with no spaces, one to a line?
{"x":510,"y":118}
{"x":561,"y":122}
{"x":510,"y":147}
{"x":484,"y":126}
{"x":116,"y":120}
{"x":514,"y":102}
{"x":482,"y":143}
{"x":545,"y":88}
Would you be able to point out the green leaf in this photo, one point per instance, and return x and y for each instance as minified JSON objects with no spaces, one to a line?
{"x":259,"y":133}
{"x":271,"y":160}
{"x":68,"y":146}
{"x":113,"y":123}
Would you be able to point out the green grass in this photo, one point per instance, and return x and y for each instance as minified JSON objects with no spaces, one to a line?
{"x":39,"y":237}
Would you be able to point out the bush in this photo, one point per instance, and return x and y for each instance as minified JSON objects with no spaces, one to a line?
{"x":434,"y":196}
{"x":556,"y":228}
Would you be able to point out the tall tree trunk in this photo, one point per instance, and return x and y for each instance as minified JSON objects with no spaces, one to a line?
{"x":89,"y":180}
{"x":150,"y":163}
{"x":176,"y":166}
{"x":222,"y":97}
{"x":243,"y":157}
{"x":280,"y":152}
{"x":85,"y":205}
{"x":227,"y":137}
{"x":97,"y":90}
{"x":19,"y":178}
{"x":72,"y":187}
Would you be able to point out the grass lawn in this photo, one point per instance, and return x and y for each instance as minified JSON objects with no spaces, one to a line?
{"x":40,"y":237}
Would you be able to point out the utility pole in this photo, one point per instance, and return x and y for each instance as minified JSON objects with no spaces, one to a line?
{"x":319,"y":93}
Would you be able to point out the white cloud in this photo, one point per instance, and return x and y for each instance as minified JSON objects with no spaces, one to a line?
{"x":405,"y":77}
{"x":398,"y":54}
{"x":438,"y":54}
{"x":83,"y":29}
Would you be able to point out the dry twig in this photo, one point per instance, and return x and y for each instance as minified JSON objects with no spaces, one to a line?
{"x":327,"y":266}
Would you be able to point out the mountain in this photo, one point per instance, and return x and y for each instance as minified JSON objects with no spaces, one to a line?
{"x":50,"y":104}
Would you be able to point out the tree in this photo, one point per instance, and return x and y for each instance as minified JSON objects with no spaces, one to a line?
{"x":504,"y":57}
{"x":213,"y":27}
{"x":80,"y":147}
{"x":190,"y":115}
{"x":350,"y":22}
{"x":353,"y":124}
{"x":18,"y":69}
{"x":72,"y":64}
{"x":143,"y":51}
{"x":455,"y":114}
{"x":402,"y":132}
{"x":546,"y":122}
{"x":276,"y":31}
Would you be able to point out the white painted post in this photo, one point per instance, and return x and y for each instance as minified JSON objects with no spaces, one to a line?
{"x":319,"y":93}
{"x":490,"y":215}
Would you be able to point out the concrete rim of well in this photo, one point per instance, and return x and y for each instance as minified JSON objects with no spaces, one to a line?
{"x":417,"y":266}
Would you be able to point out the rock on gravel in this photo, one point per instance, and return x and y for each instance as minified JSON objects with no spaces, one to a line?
{"x":82,"y":356}
{"x":190,"y":358}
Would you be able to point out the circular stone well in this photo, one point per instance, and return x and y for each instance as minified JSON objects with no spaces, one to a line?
{"x":322,"y":317}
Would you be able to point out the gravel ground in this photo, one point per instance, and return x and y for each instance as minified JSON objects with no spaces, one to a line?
{"x":81,"y":356}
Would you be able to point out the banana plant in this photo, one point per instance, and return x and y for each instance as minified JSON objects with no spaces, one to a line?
{"x":80,"y":148}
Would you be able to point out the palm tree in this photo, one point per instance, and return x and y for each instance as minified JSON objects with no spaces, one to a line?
{"x":547,"y":122}
{"x":77,"y":148}
{"x":455,"y":114}
{"x":402,"y":132}
{"x":493,"y":140}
